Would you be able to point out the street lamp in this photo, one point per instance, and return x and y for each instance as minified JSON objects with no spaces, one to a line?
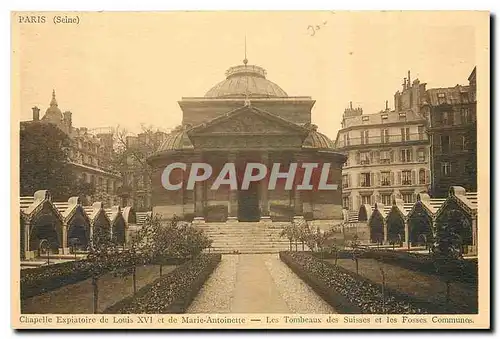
{"x":45,"y":247}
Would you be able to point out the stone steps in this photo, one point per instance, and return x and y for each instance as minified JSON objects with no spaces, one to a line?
{"x":246,"y":237}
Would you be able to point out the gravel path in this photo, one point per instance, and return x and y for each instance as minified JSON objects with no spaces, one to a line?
{"x":256,"y":283}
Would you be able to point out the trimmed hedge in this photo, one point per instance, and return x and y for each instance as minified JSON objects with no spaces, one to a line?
{"x":39,"y":280}
{"x":35,"y":281}
{"x":348,"y":292}
{"x":468,"y":273}
{"x":172,"y":293}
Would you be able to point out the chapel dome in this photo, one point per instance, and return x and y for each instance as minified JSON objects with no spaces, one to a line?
{"x":177,"y":140}
{"x":53,"y":113}
{"x":246,"y":80}
{"x":317,"y":140}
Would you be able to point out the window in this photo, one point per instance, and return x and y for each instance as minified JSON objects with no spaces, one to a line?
{"x":402,"y":116}
{"x":384,"y":136}
{"x":445,"y":144}
{"x":365,"y":158}
{"x":421,"y":177}
{"x":385,"y":157}
{"x":385,"y":178}
{"x":406,"y":155}
{"x":447,"y":118}
{"x":345,"y":181}
{"x":365,"y":118}
{"x":366,"y":199}
{"x":420,"y":132}
{"x":386,"y":199}
{"x":405,"y":134}
{"x":421,"y":155}
{"x":364,"y":137}
{"x":441,"y":98}
{"x":406,"y":177}
{"x":384,"y":117}
{"x":346,"y":139}
{"x":465,"y":115}
{"x":345,"y":202}
{"x":365,"y":180}
{"x":445,"y":168}
{"x":408,"y":198}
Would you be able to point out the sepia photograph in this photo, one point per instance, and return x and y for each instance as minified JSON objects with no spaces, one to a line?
{"x":250,"y":169}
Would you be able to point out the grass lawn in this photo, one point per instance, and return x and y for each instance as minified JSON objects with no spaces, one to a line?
{"x":416,"y":284}
{"x":77,"y":298}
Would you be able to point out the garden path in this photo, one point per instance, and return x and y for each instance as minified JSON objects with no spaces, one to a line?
{"x":77,"y":298}
{"x":256,"y":283}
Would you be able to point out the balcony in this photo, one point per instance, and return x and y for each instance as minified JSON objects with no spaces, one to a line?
{"x":378,"y":140}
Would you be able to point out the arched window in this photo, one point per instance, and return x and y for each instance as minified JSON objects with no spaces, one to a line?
{"x":421,"y":176}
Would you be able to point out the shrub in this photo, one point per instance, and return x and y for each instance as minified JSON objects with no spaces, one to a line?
{"x":347,"y":292}
{"x":172,"y":293}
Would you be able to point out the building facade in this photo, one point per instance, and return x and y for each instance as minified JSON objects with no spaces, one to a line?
{"x":453,"y":134}
{"x":387,"y":152}
{"x":247,"y":118}
{"x":90,"y":153}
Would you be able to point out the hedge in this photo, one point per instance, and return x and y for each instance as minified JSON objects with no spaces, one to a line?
{"x":171,"y":293}
{"x":348,"y":292}
{"x":39,"y":280}
{"x":467,"y":273}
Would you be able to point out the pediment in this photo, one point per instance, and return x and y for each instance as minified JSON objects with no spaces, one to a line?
{"x":248,"y":120}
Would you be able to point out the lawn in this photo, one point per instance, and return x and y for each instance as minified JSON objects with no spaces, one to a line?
{"x":77,"y":298}
{"x":415,"y":284}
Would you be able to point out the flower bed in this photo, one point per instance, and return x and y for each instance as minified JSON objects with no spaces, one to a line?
{"x":348,"y":292}
{"x":171,"y":293}
{"x":423,"y":263}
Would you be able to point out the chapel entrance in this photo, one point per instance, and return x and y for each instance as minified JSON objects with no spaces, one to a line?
{"x":248,"y":204}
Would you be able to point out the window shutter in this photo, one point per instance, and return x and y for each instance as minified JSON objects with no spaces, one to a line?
{"x":350,"y":203}
{"x":371,"y":157}
{"x":359,"y":180}
{"x":382,"y":135}
{"x":358,"y":157}
{"x":398,"y":178}
{"x":427,"y":177}
{"x":391,"y":176}
{"x":372,"y":179}
{"x":376,"y":155}
{"x":411,"y":154}
{"x":349,"y":181}
{"x":378,"y":179}
{"x":391,"y":155}
{"x":413,"y":177}
{"x":401,"y":155}
{"x":402,"y":134}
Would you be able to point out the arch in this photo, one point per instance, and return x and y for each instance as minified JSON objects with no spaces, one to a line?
{"x":45,"y":224}
{"x":421,"y":176}
{"x":79,"y":228}
{"x":453,"y":224}
{"x":365,"y":212}
{"x":420,"y":225}
{"x":118,"y":231}
{"x":376,"y":226}
{"x":395,"y":225}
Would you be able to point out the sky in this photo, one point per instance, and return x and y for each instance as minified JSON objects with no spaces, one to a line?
{"x":128,"y":69}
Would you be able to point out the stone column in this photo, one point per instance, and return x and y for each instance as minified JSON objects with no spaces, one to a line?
{"x":199,"y":198}
{"x":385,"y":232}
{"x":64,"y":249}
{"x":297,"y":196}
{"x":407,"y":233}
{"x":263,"y":190}
{"x":474,"y":235}
{"x":232,"y":204}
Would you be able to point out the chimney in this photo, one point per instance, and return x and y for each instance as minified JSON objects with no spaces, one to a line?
{"x":36,"y":113}
{"x":404,"y":84}
{"x":67,"y":119}
{"x":387,"y":105}
{"x":409,"y":79}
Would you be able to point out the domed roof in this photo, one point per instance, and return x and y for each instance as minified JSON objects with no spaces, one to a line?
{"x":246,"y":80}
{"x":53,"y":113}
{"x":317,"y":140}
{"x":177,"y":140}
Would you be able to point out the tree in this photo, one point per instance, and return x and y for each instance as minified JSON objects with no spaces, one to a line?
{"x":288,"y":231}
{"x":44,"y":162}
{"x":446,"y":252}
